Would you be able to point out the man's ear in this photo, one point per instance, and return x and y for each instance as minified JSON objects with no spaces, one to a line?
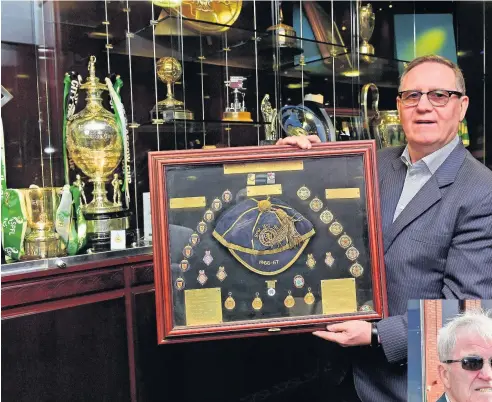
{"x":465,"y":101}
{"x":444,"y":375}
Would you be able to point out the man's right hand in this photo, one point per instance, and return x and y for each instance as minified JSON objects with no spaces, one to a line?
{"x":301,"y":141}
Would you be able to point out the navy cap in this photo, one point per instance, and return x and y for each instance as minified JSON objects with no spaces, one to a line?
{"x":265,"y":235}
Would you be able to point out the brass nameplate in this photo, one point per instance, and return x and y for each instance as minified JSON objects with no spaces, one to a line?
{"x":336,"y":193}
{"x":203,"y":306}
{"x":188,"y":202}
{"x":269,"y":189}
{"x":338,"y":296}
{"x":262,"y":167}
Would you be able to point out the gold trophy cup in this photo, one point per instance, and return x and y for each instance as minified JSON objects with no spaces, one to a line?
{"x":95,"y":146}
{"x":367,"y":20}
{"x":169,"y":71}
{"x":42,"y":241}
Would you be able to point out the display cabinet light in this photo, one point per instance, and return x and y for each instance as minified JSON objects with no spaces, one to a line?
{"x":351,"y":73}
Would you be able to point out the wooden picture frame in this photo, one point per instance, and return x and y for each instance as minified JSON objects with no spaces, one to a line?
{"x":257,"y":241}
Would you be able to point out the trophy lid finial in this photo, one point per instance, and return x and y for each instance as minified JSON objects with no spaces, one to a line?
{"x":92,"y":82}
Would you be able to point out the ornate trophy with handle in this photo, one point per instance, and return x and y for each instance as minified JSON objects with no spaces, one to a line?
{"x":367,"y":20}
{"x":169,"y":71}
{"x":96,"y":142}
{"x":386,"y":127}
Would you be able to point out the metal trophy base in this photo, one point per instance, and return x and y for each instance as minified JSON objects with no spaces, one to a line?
{"x":43,"y":244}
{"x":268,"y":142}
{"x":171,"y":114}
{"x":237,"y":116}
{"x":99,"y":227}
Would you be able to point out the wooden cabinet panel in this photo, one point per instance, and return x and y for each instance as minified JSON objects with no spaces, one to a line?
{"x":72,"y":354}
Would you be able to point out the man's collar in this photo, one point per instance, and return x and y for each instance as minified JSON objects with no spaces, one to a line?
{"x":435,"y":159}
{"x":446,"y":396}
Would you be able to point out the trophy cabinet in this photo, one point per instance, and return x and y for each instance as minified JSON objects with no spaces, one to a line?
{"x":89,"y":88}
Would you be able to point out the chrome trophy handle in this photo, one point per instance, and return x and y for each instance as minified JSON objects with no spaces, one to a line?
{"x":375,"y":107}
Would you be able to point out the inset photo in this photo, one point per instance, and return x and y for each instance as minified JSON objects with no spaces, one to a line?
{"x":450,"y":351}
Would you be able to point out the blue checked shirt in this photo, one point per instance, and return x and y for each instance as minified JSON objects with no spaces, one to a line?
{"x":420,"y":172}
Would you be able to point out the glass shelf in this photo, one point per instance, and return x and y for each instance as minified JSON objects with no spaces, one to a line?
{"x":368,"y":68}
{"x":194,"y":126}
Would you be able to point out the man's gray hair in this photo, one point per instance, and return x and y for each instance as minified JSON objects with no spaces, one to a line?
{"x":460,"y":80}
{"x":473,"y":322}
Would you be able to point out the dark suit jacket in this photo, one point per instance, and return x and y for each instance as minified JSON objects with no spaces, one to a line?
{"x":439,"y":247}
{"x":442,"y":399}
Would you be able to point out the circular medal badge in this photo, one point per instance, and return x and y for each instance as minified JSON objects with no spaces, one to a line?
{"x":208,"y":216}
{"x":216,"y":205}
{"x":257,"y":304}
{"x":194,"y":239}
{"x":188,"y":251}
{"x":184,"y":265}
{"x":336,"y":228}
{"x":202,"y":227}
{"x":303,"y":193}
{"x":309,"y":298}
{"x":356,"y":270}
{"x":316,"y":204}
{"x":345,"y":241}
{"x":271,"y":292}
{"x":352,"y":253}
{"x":289,"y":301}
{"x":229,"y":303}
{"x":298,"y":281}
{"x":326,"y":216}
{"x":227,"y":196}
{"x":179,"y":283}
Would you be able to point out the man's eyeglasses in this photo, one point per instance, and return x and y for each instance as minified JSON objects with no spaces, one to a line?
{"x":437,"y":97}
{"x":470,"y":363}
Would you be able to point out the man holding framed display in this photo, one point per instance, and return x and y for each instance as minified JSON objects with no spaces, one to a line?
{"x":436,"y":207}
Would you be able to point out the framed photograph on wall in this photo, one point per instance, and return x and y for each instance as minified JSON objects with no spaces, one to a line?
{"x":265,"y":240}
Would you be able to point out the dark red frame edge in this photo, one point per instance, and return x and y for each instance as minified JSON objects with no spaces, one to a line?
{"x":163,"y":286}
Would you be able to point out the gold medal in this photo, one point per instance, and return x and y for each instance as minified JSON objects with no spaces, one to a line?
{"x":221,"y":274}
{"x":188,"y":251}
{"x":298,"y":281}
{"x":352,"y":253}
{"x":271,"y":287}
{"x":208,"y":216}
{"x":309,"y":298}
{"x":326,"y":216}
{"x":257,"y":303}
{"x":227,"y":196}
{"x":289,"y":301}
{"x":329,"y":260}
{"x":316,"y":204}
{"x":304,"y":193}
{"x":310,"y":261}
{"x":202,"y":278}
{"x":336,"y":228}
{"x":229,"y":303}
{"x":356,"y":270}
{"x":184,"y":265}
{"x":216,"y":205}
{"x":202,"y":227}
{"x":194,"y":239}
{"x":344,"y":241}
{"x":179,"y":284}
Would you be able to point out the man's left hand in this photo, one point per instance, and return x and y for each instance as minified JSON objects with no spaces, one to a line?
{"x":349,"y":333}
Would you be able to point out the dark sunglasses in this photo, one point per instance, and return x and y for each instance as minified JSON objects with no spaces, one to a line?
{"x":470,"y":363}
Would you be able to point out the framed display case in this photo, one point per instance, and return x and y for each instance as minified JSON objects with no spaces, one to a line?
{"x":257,"y":241}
